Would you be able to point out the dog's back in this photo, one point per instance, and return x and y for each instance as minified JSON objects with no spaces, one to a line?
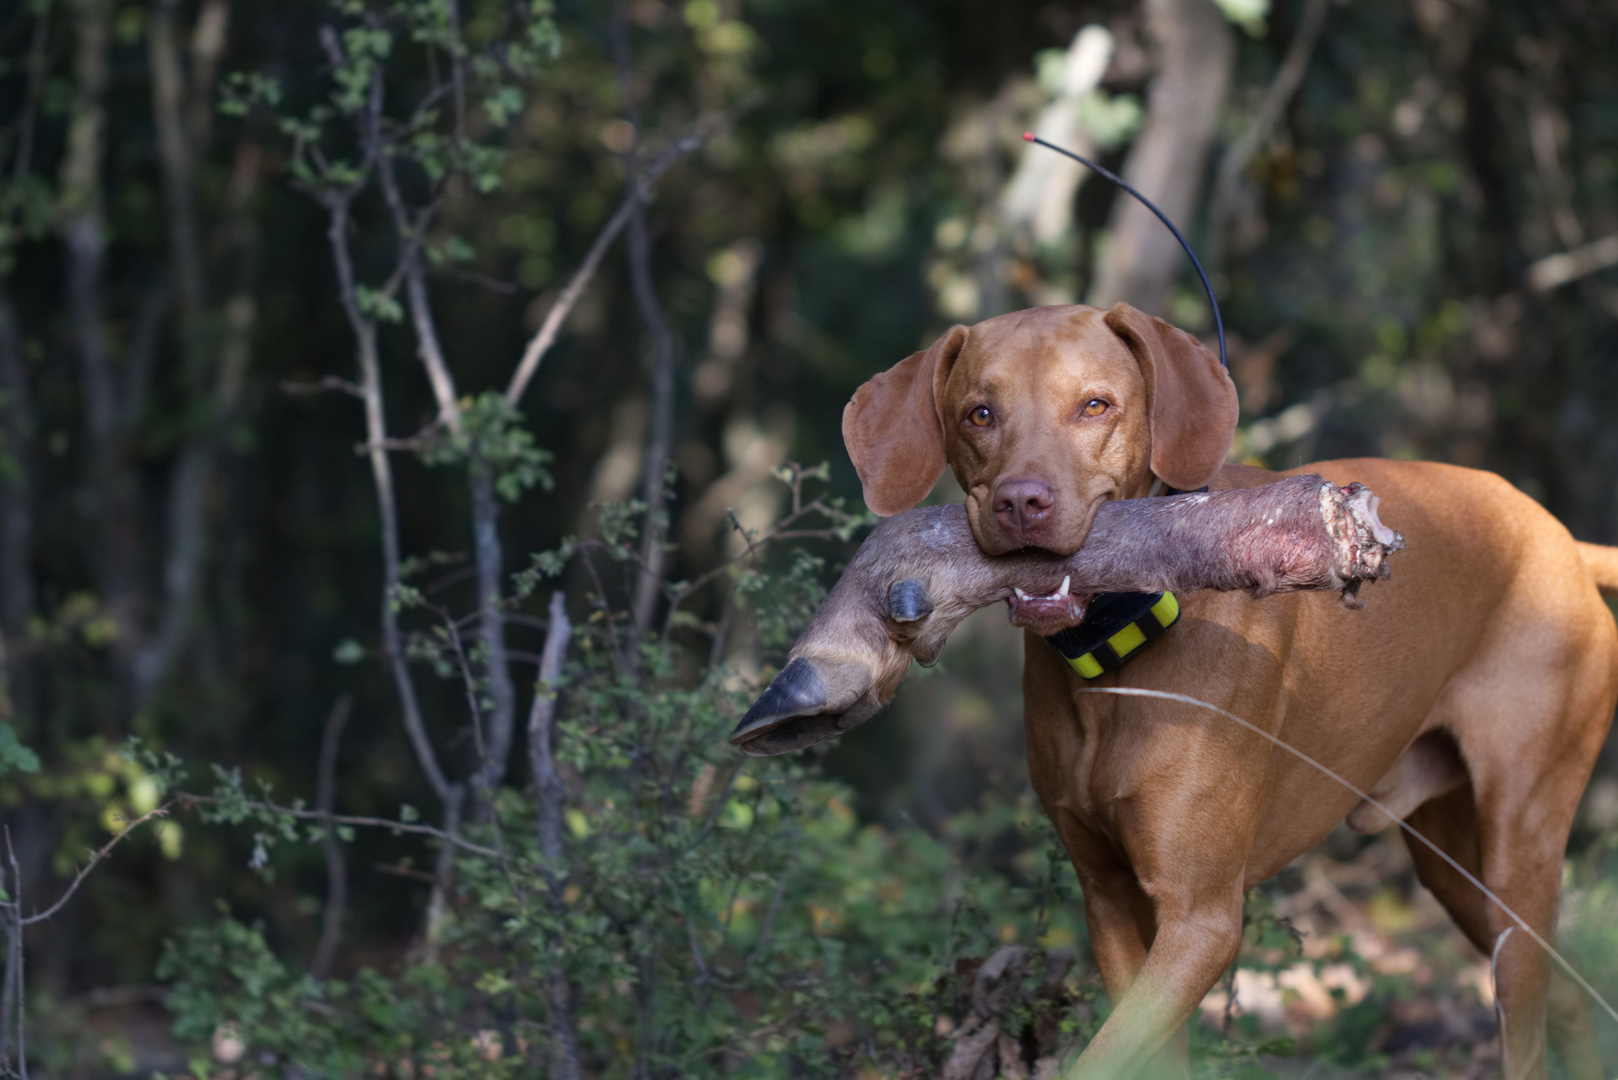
{"x":1491,"y":633}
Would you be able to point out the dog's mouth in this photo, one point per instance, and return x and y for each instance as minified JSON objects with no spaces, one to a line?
{"x":1056,"y":610}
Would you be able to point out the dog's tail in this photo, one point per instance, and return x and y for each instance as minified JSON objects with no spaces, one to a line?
{"x":1602,"y":563}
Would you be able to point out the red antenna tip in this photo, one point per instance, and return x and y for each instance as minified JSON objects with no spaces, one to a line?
{"x":1028,"y":136}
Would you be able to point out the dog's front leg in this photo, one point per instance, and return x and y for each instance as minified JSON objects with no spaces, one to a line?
{"x":1197,"y":938}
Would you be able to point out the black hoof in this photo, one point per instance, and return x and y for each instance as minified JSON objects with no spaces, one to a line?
{"x":908,"y":601}
{"x":797,"y":691}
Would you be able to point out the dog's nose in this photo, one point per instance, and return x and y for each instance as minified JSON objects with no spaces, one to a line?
{"x":1022,"y":504}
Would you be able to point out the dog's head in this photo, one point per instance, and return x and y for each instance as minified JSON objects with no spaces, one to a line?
{"x":1043,"y":415}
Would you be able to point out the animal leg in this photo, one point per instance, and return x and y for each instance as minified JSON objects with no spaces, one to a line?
{"x":1528,"y":716}
{"x":1194,"y":944}
{"x":1122,"y":927}
{"x":1451,"y":822}
{"x":1573,"y":1036}
{"x":1521,"y":848}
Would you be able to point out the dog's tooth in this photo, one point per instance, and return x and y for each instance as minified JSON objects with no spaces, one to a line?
{"x":1063,"y":590}
{"x":1020,"y":594}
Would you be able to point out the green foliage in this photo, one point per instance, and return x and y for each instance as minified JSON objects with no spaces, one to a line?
{"x":13,"y":754}
{"x":229,"y":985}
{"x":492,"y":433}
{"x":710,"y":912}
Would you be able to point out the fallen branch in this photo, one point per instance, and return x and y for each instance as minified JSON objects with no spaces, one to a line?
{"x":920,"y":573}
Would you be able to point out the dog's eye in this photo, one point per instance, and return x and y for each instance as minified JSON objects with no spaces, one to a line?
{"x":1094,"y":407}
{"x":980,"y":416}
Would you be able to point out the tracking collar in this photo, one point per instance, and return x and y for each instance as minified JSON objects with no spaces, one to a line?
{"x":1116,"y":627}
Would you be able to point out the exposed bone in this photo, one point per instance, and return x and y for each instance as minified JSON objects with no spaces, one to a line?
{"x":920,"y":573}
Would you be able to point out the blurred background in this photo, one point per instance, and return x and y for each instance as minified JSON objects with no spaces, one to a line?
{"x":212,"y":280}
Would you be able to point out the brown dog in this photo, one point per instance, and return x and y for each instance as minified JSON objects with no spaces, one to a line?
{"x":1471,"y":695}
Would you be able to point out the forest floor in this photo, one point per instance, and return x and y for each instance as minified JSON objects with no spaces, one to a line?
{"x":1347,"y":958}
{"x":1376,"y":981}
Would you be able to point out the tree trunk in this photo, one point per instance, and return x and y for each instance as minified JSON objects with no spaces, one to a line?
{"x":17,"y":426}
{"x":81,"y":226}
{"x":1196,"y":51}
{"x":187,"y":536}
{"x":492,"y":621}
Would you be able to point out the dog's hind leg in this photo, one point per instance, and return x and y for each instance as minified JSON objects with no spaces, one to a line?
{"x":1529,"y":734}
{"x":1451,"y":822}
{"x":1525,"y":882}
{"x":1573,"y":1036}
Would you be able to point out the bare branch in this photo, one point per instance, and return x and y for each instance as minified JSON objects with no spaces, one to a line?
{"x":11,"y":995}
{"x":1287,"y":79}
{"x":96,"y":857}
{"x":481,"y":783}
{"x":768,"y":926}
{"x":491,"y":605}
{"x":541,"y":717}
{"x":482,"y":281}
{"x":325,"y":384}
{"x":1557,"y":270}
{"x":551,"y":796}
{"x":542,"y":341}
{"x":15,"y":970}
{"x":338,"y":203}
{"x":358,"y":822}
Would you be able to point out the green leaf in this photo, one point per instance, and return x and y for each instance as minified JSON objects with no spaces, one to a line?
{"x":13,"y":754}
{"x":379,"y":305}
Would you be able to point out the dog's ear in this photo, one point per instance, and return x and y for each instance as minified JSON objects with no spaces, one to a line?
{"x":892,"y":428}
{"x":1191,"y":402}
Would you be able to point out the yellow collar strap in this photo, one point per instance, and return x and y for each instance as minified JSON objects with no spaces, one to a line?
{"x":1116,"y":627}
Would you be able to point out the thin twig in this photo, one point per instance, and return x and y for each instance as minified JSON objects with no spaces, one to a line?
{"x":412,"y":233}
{"x":9,"y":990}
{"x":96,"y":857}
{"x":545,"y":337}
{"x":1287,"y":79}
{"x":660,"y":429}
{"x":18,"y":923}
{"x":357,"y":821}
{"x":768,"y":926}
{"x":338,"y":203}
{"x":779,"y":531}
{"x":481,"y":785}
{"x":324,"y":385}
{"x":482,"y":281}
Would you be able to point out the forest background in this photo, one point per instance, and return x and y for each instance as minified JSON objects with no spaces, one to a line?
{"x":365,"y":366}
